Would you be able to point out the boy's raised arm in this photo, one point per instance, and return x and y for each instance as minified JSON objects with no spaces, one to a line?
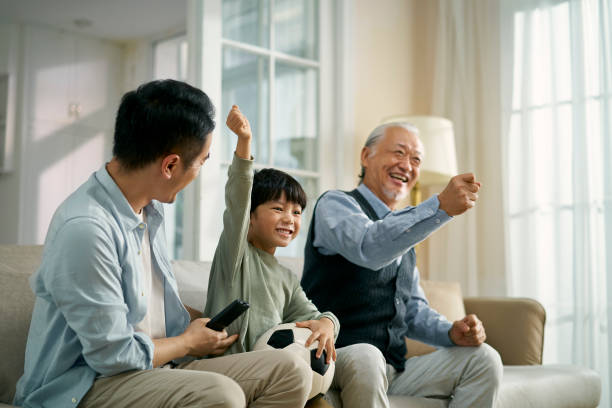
{"x":232,"y":242}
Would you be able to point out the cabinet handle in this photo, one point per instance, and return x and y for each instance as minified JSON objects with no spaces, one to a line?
{"x":74,"y":110}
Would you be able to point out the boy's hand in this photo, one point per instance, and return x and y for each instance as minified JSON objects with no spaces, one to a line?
{"x":323,"y":331}
{"x":238,"y":123}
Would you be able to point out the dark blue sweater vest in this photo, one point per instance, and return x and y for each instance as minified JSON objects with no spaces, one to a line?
{"x":370,"y":305}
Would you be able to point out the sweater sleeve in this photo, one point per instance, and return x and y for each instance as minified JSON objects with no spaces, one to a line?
{"x":233,"y":239}
{"x":300,"y":308}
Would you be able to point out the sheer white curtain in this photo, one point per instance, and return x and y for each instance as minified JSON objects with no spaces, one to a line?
{"x":466,"y":91}
{"x":558,"y":174}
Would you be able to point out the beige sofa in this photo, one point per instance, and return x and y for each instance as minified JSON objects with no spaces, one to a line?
{"x":515,"y":327}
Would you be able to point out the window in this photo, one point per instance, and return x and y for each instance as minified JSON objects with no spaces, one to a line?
{"x":559,"y":175}
{"x":272,"y":64}
{"x":271,"y":69}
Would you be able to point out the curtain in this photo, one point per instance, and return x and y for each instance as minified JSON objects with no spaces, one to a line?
{"x":470,"y":249}
{"x":558,"y":172}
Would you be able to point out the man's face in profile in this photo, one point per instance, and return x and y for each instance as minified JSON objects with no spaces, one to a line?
{"x":186,"y":174}
{"x":392,"y":165}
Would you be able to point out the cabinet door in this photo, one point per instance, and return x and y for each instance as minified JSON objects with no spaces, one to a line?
{"x":61,"y":148}
{"x":49,"y":71}
{"x":96,"y":86}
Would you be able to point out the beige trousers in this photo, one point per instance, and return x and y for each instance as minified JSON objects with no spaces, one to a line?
{"x":269,"y":378}
{"x":464,"y":377}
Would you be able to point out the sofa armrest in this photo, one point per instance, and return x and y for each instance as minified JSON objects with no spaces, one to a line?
{"x":514,"y":327}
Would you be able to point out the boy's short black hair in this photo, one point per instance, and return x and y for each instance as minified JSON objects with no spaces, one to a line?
{"x":269,"y":184}
{"x":159,"y":118}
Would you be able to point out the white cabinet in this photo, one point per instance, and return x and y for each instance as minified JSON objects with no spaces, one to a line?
{"x":72,"y":89}
{"x":48,"y":74}
{"x":70,"y":78}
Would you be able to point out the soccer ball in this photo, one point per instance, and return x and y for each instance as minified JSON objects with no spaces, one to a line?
{"x":288,"y":336}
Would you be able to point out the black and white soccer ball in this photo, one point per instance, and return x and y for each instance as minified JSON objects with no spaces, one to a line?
{"x":289,"y":337}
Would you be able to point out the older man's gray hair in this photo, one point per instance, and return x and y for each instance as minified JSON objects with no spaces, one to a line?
{"x":377,"y":133}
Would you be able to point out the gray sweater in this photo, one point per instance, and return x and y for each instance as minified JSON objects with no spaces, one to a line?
{"x":242,"y":271}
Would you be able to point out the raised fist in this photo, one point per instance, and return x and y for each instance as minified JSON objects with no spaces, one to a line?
{"x":460,"y":194}
{"x":238,"y":123}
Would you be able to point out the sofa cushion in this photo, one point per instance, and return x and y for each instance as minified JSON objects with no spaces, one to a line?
{"x":192,"y":281}
{"x":558,"y":386}
{"x":17,"y":263}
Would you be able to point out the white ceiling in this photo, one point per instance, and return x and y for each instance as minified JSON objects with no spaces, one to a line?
{"x":117,"y":20}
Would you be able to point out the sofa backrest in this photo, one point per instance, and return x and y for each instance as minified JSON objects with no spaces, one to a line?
{"x":17,"y":263}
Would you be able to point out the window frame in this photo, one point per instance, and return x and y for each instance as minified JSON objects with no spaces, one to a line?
{"x":335,"y":113}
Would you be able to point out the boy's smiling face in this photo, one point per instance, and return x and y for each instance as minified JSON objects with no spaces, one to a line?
{"x":274,"y":223}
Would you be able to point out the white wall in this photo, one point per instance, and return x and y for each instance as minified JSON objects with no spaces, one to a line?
{"x":393,"y":68}
{"x":394,"y":52}
{"x":9,"y":182}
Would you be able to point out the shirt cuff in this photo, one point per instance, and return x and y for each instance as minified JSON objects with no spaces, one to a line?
{"x":442,"y":334}
{"x":433,"y":203}
{"x":149,"y":349}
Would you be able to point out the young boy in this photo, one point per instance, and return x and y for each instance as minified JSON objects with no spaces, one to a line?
{"x":244,"y":266}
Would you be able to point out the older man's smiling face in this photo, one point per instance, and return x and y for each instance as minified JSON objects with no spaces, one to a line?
{"x":392,"y":165}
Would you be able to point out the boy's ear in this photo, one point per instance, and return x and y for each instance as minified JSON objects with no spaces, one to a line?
{"x":169,"y":165}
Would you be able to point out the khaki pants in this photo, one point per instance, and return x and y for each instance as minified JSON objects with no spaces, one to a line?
{"x":269,"y":378}
{"x":470,"y":375}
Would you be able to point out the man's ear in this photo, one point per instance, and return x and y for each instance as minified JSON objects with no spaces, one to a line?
{"x":169,"y":165}
{"x":365,"y":152}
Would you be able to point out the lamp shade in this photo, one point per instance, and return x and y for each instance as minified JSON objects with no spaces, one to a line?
{"x":436,"y":133}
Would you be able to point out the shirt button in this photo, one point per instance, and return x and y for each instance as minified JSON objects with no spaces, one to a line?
{"x":141,"y":226}
{"x":397,"y":301}
{"x":74,"y":400}
{"x":139,"y":252}
{"x":437,"y":220}
{"x":142,"y":294}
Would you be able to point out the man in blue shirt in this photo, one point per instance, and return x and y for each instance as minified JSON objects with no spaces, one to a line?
{"x":360,"y":264}
{"x":108,"y":324}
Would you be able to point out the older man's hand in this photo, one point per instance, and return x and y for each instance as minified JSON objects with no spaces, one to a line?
{"x":460,"y":194}
{"x":468,"y":331}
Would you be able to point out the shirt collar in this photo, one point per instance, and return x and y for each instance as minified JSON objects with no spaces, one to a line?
{"x":129,"y":217}
{"x":377,"y":204}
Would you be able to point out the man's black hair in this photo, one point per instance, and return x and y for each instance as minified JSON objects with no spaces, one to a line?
{"x":159,"y":118}
{"x":269,"y":185}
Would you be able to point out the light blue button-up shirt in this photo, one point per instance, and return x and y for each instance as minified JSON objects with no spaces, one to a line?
{"x":341,"y":227}
{"x":89,"y":296}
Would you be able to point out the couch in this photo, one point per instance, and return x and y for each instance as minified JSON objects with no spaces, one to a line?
{"x":515,"y":328}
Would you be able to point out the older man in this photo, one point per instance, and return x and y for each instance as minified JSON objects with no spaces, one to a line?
{"x":360,"y":264}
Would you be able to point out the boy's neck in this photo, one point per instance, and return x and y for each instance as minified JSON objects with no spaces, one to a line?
{"x":257,"y":244}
